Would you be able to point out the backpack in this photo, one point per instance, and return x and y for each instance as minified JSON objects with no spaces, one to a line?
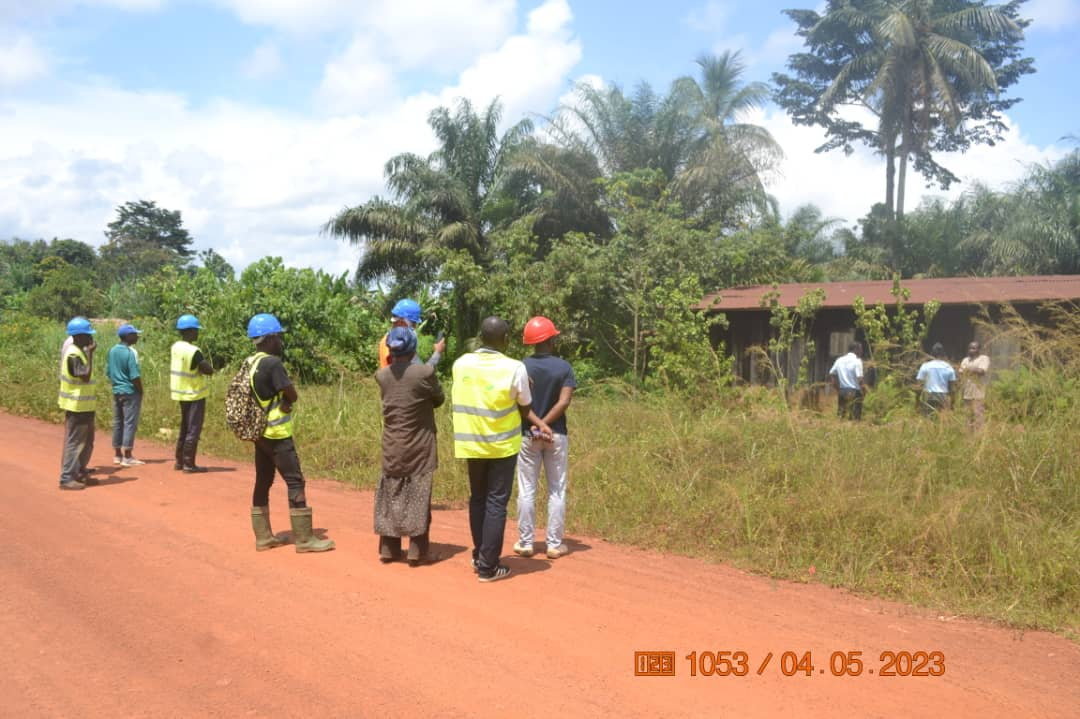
{"x":243,"y":414}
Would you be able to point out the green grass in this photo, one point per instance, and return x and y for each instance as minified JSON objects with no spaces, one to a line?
{"x":986,"y":525}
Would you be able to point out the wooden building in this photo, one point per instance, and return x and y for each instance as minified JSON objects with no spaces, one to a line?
{"x":833,"y":328}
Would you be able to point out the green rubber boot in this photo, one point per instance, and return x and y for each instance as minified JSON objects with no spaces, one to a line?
{"x":264,"y":536}
{"x":305,"y":540}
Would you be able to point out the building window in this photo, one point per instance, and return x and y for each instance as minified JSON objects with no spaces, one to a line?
{"x":839,"y":341}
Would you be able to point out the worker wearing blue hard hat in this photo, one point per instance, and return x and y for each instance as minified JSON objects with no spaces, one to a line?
{"x":189,"y":370}
{"x":122,"y":369}
{"x":407,"y":313}
{"x":275,"y":451}
{"x":77,"y":398}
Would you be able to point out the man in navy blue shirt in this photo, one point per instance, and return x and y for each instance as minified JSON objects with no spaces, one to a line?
{"x":553,"y":383}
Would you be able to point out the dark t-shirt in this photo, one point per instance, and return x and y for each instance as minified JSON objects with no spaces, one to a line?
{"x":196,"y":360}
{"x":410,"y":394}
{"x":548,"y":375}
{"x":270,"y":377}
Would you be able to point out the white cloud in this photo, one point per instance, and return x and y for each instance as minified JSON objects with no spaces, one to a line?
{"x":249,"y":181}
{"x":846,"y":186}
{"x":1052,"y":15}
{"x":21,"y":61}
{"x":357,"y":80}
{"x":713,"y":16}
{"x":264,"y":61}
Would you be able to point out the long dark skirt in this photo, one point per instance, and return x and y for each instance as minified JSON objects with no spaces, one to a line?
{"x":403,"y":505}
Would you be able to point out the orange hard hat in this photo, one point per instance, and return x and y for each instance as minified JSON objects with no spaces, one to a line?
{"x":537,"y":330}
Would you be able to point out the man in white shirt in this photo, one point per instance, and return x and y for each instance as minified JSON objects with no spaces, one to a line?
{"x":847,"y":377}
{"x":974,"y":376}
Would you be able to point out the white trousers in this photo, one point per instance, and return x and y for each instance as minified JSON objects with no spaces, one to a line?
{"x":552,"y":455}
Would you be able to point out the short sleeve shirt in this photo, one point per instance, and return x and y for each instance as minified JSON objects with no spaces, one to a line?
{"x":974,"y":384}
{"x":549,"y":374}
{"x":122,"y":368}
{"x":848,"y":371}
{"x":936,"y":376}
{"x":270,"y":378}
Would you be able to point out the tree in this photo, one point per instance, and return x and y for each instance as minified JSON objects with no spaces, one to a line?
{"x":217,"y":264}
{"x":443,"y":204}
{"x":931,"y":72}
{"x":64,"y":291}
{"x":728,"y":157}
{"x":144,"y":238}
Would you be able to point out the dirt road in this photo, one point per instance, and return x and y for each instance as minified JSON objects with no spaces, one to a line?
{"x":144,"y":598}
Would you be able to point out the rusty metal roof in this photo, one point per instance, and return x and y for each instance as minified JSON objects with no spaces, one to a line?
{"x":946,"y":290}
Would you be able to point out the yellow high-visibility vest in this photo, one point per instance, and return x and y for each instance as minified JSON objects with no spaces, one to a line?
{"x":186,"y":384}
{"x":75,"y":394}
{"x":487,"y":424}
{"x":278,"y":423}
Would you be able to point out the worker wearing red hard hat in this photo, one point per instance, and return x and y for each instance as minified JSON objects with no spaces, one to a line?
{"x":553,"y":382}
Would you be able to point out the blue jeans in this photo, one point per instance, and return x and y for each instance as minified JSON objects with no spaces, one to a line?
{"x":126,"y":409}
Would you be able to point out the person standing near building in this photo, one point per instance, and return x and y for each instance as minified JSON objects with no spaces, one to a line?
{"x":407,"y":313}
{"x":974,"y":376}
{"x":938,"y":378}
{"x":275,"y":451}
{"x":846,"y":376}
{"x":490,"y":398}
{"x":410,"y":394}
{"x":122,"y":369}
{"x":552,"y":382}
{"x":77,"y":399}
{"x":188,"y":384}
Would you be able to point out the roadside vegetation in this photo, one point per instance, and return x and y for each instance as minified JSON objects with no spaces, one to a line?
{"x":984,"y":524}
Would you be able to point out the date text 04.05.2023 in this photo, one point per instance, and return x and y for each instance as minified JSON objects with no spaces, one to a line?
{"x":851,"y":663}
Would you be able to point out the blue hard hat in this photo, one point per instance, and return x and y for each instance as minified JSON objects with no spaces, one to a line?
{"x":263,"y":324}
{"x":407,"y":310}
{"x":80,"y":326}
{"x":188,"y":322}
{"x":127,"y":329}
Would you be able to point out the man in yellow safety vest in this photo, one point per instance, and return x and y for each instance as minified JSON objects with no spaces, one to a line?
{"x":77,"y":399}
{"x":491,"y":398}
{"x":188,"y":385}
{"x":275,"y":450}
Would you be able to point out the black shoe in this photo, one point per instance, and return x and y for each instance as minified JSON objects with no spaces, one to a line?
{"x":72,"y":485}
{"x":177,"y":466}
{"x":501,"y":572}
{"x":193,"y":470}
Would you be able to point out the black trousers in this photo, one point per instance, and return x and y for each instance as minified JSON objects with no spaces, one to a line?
{"x":78,"y":445}
{"x":192,"y":415}
{"x":277,"y":455}
{"x":490,"y":482}
{"x":849,"y":403}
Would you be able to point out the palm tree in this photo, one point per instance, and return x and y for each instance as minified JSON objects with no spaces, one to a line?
{"x":727,"y":158}
{"x":919,"y":69}
{"x":442,"y":204}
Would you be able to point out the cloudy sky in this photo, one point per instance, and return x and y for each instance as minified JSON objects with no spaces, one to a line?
{"x":259,"y":119}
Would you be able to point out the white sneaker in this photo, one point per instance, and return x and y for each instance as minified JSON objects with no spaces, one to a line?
{"x":523,"y":549}
{"x":556,"y":552}
{"x":117,"y":460}
{"x":132,"y":462}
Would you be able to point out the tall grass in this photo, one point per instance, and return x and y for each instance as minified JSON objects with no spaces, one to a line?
{"x":923,"y":511}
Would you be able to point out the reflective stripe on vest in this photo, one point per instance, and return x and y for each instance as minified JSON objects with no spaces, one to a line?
{"x":487,"y":424}
{"x":185,"y":384}
{"x":278,"y":424}
{"x":75,"y":395}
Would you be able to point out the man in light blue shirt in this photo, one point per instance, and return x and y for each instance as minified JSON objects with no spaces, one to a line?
{"x":847,"y":377}
{"x":938,"y":378}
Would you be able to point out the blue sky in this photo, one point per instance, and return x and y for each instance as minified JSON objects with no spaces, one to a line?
{"x":259,"y":119}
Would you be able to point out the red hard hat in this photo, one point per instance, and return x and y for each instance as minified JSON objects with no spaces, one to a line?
{"x":537,"y":330}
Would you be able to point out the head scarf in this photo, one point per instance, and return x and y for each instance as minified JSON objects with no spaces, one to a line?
{"x":401,"y":341}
